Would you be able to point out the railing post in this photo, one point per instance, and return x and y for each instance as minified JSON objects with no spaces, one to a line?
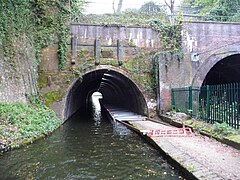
{"x":173,"y":100}
{"x":97,"y":51}
{"x":119,"y":52}
{"x":190,"y":99}
{"x":237,"y":123}
{"x":208,"y":103}
{"x":234,"y":105}
{"x":73,"y":48}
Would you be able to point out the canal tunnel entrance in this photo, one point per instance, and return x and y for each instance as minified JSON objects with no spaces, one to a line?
{"x":116,"y":89}
{"x":225,"y":71}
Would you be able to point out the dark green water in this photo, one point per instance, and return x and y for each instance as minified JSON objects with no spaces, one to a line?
{"x":87,"y":148}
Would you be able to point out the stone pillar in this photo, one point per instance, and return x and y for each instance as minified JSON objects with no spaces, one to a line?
{"x":97,"y":51}
{"x":119,"y":52}
{"x":74,"y":48}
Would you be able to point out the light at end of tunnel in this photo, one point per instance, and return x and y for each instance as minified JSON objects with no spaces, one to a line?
{"x":97,"y":95}
{"x":95,"y":101}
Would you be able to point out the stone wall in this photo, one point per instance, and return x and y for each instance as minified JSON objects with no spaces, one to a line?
{"x":18,"y":74}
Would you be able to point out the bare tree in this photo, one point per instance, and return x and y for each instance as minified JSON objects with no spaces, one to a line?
{"x":113,"y":6}
{"x":119,"y":6}
{"x":170,"y":5}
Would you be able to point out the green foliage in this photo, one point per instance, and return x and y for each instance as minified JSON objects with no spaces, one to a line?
{"x":151,"y":7}
{"x":52,"y":96}
{"x":217,"y":10}
{"x":217,"y":129}
{"x":20,"y":122}
{"x":35,"y":100}
{"x":170,"y":35}
{"x":235,"y":138}
{"x":139,"y":69}
{"x":222,"y":129}
{"x":35,"y":22}
{"x":62,"y":41}
{"x":191,"y":168}
{"x":126,"y":18}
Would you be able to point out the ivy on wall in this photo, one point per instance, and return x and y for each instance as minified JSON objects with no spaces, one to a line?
{"x":171,"y":39}
{"x":170,"y":35}
{"x":39,"y":22}
{"x":62,"y":40}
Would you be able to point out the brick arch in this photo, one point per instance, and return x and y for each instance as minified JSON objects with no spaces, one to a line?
{"x":116,"y":86}
{"x":212,"y":60}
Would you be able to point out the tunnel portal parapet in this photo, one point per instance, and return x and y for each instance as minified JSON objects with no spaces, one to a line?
{"x":124,"y":50}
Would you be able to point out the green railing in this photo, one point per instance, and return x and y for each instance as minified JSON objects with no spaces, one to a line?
{"x":218,"y":103}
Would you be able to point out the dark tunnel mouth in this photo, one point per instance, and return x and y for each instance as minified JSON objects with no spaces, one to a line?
{"x":224,"y":71}
{"x":116,"y":88}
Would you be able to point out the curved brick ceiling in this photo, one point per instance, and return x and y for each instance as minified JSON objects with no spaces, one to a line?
{"x":225,"y":71}
{"x":116,"y":88}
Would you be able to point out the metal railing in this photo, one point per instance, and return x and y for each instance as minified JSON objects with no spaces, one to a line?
{"x":218,"y":103}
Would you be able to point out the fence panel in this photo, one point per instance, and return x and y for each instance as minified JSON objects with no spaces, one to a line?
{"x":180,"y":100}
{"x":218,"y":103}
{"x":195,"y":101}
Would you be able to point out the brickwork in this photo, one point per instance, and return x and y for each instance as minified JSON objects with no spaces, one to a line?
{"x":204,"y":44}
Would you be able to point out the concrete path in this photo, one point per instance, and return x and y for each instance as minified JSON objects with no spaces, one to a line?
{"x":201,"y":157}
{"x":205,"y":158}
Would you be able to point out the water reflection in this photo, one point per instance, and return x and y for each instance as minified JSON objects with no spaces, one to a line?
{"x":87,"y":148}
{"x":96,"y":107}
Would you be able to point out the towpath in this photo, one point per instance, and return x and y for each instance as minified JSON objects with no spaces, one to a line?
{"x":199,"y":156}
{"x":205,"y":158}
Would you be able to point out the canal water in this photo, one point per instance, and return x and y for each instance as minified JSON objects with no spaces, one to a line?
{"x":87,"y":147}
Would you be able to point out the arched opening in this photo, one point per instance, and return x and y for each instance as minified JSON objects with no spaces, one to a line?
{"x":225,"y":71}
{"x":116,"y":89}
{"x":218,"y":98}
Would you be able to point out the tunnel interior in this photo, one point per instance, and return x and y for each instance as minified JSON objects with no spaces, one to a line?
{"x":225,"y":71}
{"x":116,"y":89}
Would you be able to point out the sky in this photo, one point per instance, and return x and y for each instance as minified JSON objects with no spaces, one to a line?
{"x":105,"y":6}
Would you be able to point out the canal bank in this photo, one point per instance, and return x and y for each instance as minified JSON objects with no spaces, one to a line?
{"x":24,"y":123}
{"x":197,"y":156}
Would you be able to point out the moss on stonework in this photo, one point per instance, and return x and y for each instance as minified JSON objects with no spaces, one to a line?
{"x":138,"y":64}
{"x":235,"y":138}
{"x":76,"y":71}
{"x":188,"y":122}
{"x":145,"y":80}
{"x":106,"y":53}
{"x":83,"y":53}
{"x":42,"y":80}
{"x":139,"y":68}
{"x":112,"y":62}
{"x":51,"y":97}
{"x":129,"y":65}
